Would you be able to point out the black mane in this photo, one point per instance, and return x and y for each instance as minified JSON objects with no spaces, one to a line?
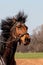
{"x":21,"y":17}
{"x":5,"y":27}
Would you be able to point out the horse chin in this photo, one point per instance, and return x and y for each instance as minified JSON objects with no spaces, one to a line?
{"x":26,"y":43}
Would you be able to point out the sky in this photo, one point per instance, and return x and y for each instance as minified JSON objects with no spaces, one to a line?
{"x":33,"y":9}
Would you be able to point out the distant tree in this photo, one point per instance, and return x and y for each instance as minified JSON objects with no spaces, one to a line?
{"x":36,"y":44}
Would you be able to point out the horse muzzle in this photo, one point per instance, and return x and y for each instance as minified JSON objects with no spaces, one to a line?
{"x":25,"y":39}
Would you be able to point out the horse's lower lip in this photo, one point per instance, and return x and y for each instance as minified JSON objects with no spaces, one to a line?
{"x":26,"y":43}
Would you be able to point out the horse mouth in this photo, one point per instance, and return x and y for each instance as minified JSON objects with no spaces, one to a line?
{"x":27,"y":42}
{"x":26,"y":39}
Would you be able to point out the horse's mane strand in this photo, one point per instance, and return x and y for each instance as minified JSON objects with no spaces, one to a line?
{"x":21,"y":17}
{"x":6,"y":26}
{"x":8,"y":23}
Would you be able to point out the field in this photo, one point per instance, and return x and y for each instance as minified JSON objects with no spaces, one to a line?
{"x":28,"y":55}
{"x":29,"y":58}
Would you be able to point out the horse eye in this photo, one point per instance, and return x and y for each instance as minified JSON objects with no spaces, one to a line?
{"x":19,"y":27}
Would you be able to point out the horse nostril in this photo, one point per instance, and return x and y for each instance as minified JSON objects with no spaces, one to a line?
{"x":27,"y":40}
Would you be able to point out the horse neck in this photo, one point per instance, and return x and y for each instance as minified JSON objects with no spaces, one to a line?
{"x":9,"y":53}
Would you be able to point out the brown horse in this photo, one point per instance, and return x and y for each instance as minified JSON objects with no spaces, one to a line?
{"x":14,"y":31}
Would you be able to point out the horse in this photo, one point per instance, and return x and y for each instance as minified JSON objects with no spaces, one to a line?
{"x":14,"y":31}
